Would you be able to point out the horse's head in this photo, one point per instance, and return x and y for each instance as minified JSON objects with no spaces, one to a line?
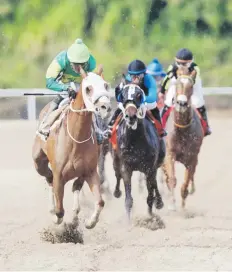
{"x":95,"y":92}
{"x":184,"y":90}
{"x":132,"y":98}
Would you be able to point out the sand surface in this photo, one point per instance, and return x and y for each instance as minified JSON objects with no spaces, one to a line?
{"x":199,"y":239}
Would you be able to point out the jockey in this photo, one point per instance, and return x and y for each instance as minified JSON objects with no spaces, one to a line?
{"x":155,"y":69}
{"x":137,"y":74}
{"x":63,"y":70}
{"x":184,"y":57}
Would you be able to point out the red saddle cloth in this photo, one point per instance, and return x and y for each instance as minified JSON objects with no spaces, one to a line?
{"x":167,"y":113}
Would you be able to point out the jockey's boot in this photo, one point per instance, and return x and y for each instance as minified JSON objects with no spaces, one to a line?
{"x":165,"y":112}
{"x":112,"y":121}
{"x":203,"y":113}
{"x":44,"y":127}
{"x":156,"y":113}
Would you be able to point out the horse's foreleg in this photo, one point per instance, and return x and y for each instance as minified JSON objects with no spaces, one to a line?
{"x":126,"y":175}
{"x":58,"y":189}
{"x":189,"y":177}
{"x":169,"y":170}
{"x":116,"y":165}
{"x":94,"y":185}
{"x":76,"y":188}
{"x":151,"y":186}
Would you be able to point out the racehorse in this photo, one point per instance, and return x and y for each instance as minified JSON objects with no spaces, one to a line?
{"x":102,"y":119}
{"x":72,"y":150}
{"x":138,"y":148}
{"x":184,"y":139}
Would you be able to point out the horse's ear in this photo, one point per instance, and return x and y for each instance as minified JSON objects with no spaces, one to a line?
{"x":100,"y":70}
{"x":82,"y":72}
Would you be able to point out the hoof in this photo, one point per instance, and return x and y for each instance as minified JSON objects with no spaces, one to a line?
{"x":117,"y":194}
{"x":90,"y":224}
{"x":158,"y":203}
{"x":57,"y":220}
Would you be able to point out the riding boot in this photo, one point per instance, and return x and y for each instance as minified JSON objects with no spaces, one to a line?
{"x":112,"y":121}
{"x":165,"y":114}
{"x":44,"y":127}
{"x":156,"y":113}
{"x":203,"y":113}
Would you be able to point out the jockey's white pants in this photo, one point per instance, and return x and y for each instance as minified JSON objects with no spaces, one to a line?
{"x":197,"y":96}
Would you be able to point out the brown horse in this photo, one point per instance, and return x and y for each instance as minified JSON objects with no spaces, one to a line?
{"x":72,"y":150}
{"x":185,"y":136}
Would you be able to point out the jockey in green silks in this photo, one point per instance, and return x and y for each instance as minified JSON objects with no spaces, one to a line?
{"x":63,"y":70}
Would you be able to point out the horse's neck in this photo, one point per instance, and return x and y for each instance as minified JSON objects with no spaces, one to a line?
{"x":132,"y":135}
{"x":183,"y":118}
{"x":80,"y":123}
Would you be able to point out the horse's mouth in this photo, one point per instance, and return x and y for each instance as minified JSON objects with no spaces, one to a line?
{"x":132,"y":122}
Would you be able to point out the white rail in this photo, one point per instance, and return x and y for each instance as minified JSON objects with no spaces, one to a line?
{"x":31,"y":100}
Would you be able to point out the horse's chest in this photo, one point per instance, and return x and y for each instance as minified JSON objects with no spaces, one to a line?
{"x":183,"y":148}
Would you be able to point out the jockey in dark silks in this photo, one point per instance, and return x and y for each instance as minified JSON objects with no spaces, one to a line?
{"x":137,"y":75}
{"x":184,"y":57}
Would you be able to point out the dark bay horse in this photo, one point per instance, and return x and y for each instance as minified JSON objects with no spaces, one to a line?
{"x":138,"y":148}
{"x":72,"y":150}
{"x":184,"y":139}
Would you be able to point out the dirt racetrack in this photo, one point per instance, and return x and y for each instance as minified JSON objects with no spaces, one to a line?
{"x":199,"y":239}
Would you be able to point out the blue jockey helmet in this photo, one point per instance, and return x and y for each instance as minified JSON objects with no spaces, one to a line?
{"x":155,"y":68}
{"x":136,"y":67}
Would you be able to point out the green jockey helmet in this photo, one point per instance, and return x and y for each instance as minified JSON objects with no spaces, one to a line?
{"x":78,"y":52}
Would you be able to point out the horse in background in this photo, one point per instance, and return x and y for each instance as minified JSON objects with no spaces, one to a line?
{"x":72,"y":150}
{"x":184,"y":139}
{"x":138,"y":148}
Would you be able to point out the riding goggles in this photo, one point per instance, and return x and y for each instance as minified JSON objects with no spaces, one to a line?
{"x":84,"y":65}
{"x":184,"y":64}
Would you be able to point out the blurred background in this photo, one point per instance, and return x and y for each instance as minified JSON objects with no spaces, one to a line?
{"x":32,"y":32}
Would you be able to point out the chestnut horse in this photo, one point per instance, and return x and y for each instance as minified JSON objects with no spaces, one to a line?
{"x":72,"y":150}
{"x":184,"y":139}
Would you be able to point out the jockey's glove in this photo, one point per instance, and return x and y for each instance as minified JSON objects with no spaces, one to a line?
{"x":71,"y":93}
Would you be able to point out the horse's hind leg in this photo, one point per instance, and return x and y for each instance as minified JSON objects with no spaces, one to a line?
{"x":94,"y":185}
{"x":41,"y":165}
{"x":76,"y":188}
{"x":189,"y":177}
